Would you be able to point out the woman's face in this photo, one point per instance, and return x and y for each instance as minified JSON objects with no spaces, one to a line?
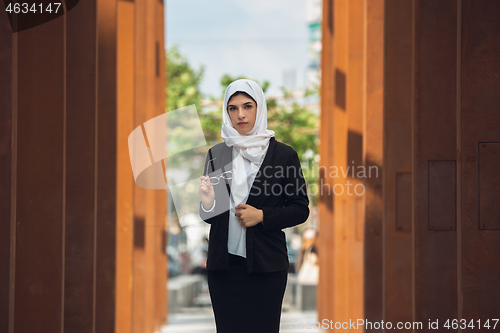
{"x":243,"y":112}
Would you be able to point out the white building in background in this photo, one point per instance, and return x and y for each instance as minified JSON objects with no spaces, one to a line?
{"x":314,"y":15}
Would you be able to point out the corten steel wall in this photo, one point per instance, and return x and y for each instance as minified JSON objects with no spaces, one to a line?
{"x":325,"y":203}
{"x":397,"y":241}
{"x":66,"y":185}
{"x":141,"y":231}
{"x":423,"y":242}
{"x":373,"y":156}
{"x":479,"y":145}
{"x":351,"y":137}
{"x":434,"y":160}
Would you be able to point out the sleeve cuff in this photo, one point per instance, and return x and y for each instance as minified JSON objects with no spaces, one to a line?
{"x":210,"y":210}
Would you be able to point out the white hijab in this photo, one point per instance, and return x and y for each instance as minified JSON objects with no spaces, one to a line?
{"x":252,"y":145}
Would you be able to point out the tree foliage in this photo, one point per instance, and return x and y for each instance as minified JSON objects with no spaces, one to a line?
{"x":183,"y":81}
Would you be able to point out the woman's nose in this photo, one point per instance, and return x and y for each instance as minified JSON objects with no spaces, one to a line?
{"x":240,"y":113}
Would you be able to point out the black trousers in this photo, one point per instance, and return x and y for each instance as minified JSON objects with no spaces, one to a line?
{"x":244,"y":302}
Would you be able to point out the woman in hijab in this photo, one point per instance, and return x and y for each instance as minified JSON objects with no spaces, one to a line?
{"x":253,"y":187}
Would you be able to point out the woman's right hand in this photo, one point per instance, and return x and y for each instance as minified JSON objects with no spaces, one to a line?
{"x":206,"y":192}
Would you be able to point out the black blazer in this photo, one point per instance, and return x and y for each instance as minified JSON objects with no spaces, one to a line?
{"x":279,"y":189}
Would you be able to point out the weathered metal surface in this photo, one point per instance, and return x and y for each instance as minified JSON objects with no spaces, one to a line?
{"x":125,"y":180}
{"x":105,"y":260}
{"x":353,"y":157}
{"x":440,"y":186}
{"x":480,"y":122}
{"x":66,"y":184}
{"x":489,"y":185}
{"x":7,"y":174}
{"x":81,"y":174}
{"x":40,"y":188}
{"x":325,"y":301}
{"x":373,"y":158}
{"x":161,"y":202}
{"x":442,"y":195}
{"x":340,"y":281}
{"x":397,"y":158}
{"x":403,"y":201}
{"x":434,"y":138}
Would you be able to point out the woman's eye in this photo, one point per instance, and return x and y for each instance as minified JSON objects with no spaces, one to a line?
{"x":248,"y":106}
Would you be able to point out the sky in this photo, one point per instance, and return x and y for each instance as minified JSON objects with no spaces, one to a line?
{"x":259,"y":39}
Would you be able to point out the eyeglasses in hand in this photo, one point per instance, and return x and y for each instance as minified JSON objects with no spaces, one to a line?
{"x":215,"y":180}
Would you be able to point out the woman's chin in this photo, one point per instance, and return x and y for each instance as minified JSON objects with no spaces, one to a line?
{"x":243,"y":132}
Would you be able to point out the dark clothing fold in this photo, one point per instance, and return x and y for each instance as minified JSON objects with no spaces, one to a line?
{"x":246,"y":302}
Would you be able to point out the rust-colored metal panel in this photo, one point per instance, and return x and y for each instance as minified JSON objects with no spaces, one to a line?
{"x":6,"y":172}
{"x":125,"y":179}
{"x":39,"y":209}
{"x":60,"y":163}
{"x":489,"y":185}
{"x":434,"y":130}
{"x":341,"y":283}
{"x":354,"y":158}
{"x":81,"y":74}
{"x":480,"y":122}
{"x":325,"y":291}
{"x":403,"y":201}
{"x":140,"y":194}
{"x":340,"y":89}
{"x":442,"y":195}
{"x":151,"y":111}
{"x":373,"y":158}
{"x":397,"y":158}
{"x":161,"y":278}
{"x":106,"y":168}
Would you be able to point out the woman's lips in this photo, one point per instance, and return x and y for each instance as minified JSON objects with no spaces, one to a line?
{"x":241,"y":124}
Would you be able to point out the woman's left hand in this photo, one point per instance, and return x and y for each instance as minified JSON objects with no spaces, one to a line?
{"x":249,"y":216}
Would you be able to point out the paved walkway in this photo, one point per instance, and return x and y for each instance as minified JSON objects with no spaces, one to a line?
{"x":201,"y":320}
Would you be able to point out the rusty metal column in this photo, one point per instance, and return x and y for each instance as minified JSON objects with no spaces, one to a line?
{"x":81,"y":173}
{"x":373,"y":157}
{"x":479,"y":142}
{"x":161,"y":202}
{"x":397,"y":292}
{"x":325,"y":292}
{"x":106,"y":168}
{"x":38,"y":185}
{"x":65,"y":229}
{"x":125,"y":179}
{"x":150,"y":110}
{"x":7,"y":173}
{"x":140,"y":194}
{"x":354,"y":192}
{"x":340,"y":283}
{"x":141,"y":239}
{"x":434,"y":165}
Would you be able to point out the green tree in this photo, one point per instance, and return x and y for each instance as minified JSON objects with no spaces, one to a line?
{"x":183,"y":81}
{"x":297,"y":127}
